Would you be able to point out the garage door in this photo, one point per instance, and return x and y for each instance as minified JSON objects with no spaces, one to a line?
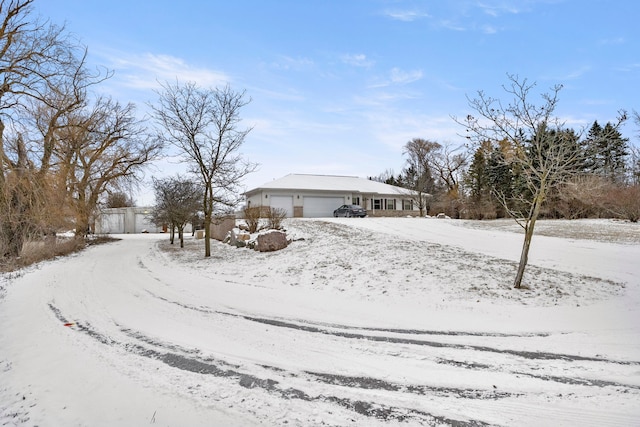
{"x":318,"y":207}
{"x":143,"y":222}
{"x":111,"y":223}
{"x":283,"y":202}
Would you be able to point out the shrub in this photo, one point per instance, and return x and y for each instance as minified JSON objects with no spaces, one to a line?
{"x":624,"y":202}
{"x":252,"y":218}
{"x":34,"y":251}
{"x":275,"y":216}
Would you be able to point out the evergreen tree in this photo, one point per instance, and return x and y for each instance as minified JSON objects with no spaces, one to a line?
{"x":477,"y":179}
{"x":605,"y":152}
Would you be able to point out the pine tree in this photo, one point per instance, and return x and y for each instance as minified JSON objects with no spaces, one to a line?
{"x":477,"y":178}
{"x":605,"y":152}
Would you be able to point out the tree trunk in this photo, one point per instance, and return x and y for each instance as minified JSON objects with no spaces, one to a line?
{"x":12,"y":240}
{"x":181,"y":235}
{"x":528,"y":235}
{"x":207,"y":235}
{"x":208,"y":212}
{"x":172,"y":233}
{"x":82,"y":225}
{"x":524,"y":256}
{"x":2,"y":160}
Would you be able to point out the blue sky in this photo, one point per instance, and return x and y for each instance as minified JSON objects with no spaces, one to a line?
{"x":339,"y":86}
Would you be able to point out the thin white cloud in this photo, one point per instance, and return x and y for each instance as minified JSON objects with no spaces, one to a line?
{"x":575,"y":74}
{"x":399,"y":76}
{"x":406,"y":15}
{"x":627,"y":68}
{"x":570,"y":75}
{"x":357,"y":60}
{"x":501,"y":8}
{"x":394,"y":128}
{"x":489,"y":29}
{"x":288,"y":63}
{"x":614,"y":41}
{"x":452,"y":25}
{"x":144,"y":71}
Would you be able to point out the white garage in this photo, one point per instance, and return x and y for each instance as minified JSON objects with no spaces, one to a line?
{"x":283,"y":202}
{"x":318,"y":207}
{"x":124,"y":221}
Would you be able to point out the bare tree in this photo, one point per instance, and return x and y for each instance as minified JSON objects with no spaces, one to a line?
{"x":100,"y":149}
{"x":39,"y":68}
{"x":204,"y":125}
{"x":448,"y":164}
{"x":623,"y":201}
{"x":418,"y":175}
{"x":118,"y":199}
{"x":542,"y":149}
{"x":177,"y":203}
{"x":634,"y":159}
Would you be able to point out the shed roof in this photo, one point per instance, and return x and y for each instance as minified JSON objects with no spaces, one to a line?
{"x":352,"y":184}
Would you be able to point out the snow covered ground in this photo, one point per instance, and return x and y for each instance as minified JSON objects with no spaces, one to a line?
{"x":375,"y":321}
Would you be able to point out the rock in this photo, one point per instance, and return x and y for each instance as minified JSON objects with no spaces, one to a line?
{"x":271,"y":241}
{"x":221,"y":226}
{"x":234,"y":239}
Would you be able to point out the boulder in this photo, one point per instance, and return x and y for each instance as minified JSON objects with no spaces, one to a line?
{"x":234,"y":239}
{"x":221,"y":226}
{"x":271,"y":241}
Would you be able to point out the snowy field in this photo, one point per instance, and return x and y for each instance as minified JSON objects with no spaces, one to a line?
{"x":359,"y":322}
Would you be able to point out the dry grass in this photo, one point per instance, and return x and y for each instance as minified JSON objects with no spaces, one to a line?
{"x":35,"y":251}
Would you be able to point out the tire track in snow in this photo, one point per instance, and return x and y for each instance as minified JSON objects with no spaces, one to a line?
{"x":366,"y":383}
{"x":531,"y":355}
{"x":222,"y":369}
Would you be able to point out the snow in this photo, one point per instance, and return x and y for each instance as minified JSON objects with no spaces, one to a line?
{"x":374,"y":321}
{"x":331,"y":183}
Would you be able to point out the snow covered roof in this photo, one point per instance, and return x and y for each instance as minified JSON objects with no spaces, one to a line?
{"x":352,"y":184}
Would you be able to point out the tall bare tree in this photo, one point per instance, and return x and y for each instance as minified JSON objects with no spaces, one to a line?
{"x":204,"y":124}
{"x":448,"y":163}
{"x":418,"y":174}
{"x":541,"y":147}
{"x":40,"y":65}
{"x":101,"y":148}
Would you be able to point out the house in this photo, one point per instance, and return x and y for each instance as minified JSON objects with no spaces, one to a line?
{"x":310,"y":196}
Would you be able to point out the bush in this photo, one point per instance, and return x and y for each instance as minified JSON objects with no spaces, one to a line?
{"x":624,"y":202}
{"x":252,"y":218}
{"x":275,"y":216}
{"x":581,"y":197}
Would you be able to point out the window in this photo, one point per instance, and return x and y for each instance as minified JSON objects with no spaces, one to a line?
{"x":391,"y":204}
{"x":356,"y":200}
{"x":377,"y":204}
{"x":407,"y":204}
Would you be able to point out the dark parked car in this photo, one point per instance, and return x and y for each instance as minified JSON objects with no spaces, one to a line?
{"x":349,"y":211}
